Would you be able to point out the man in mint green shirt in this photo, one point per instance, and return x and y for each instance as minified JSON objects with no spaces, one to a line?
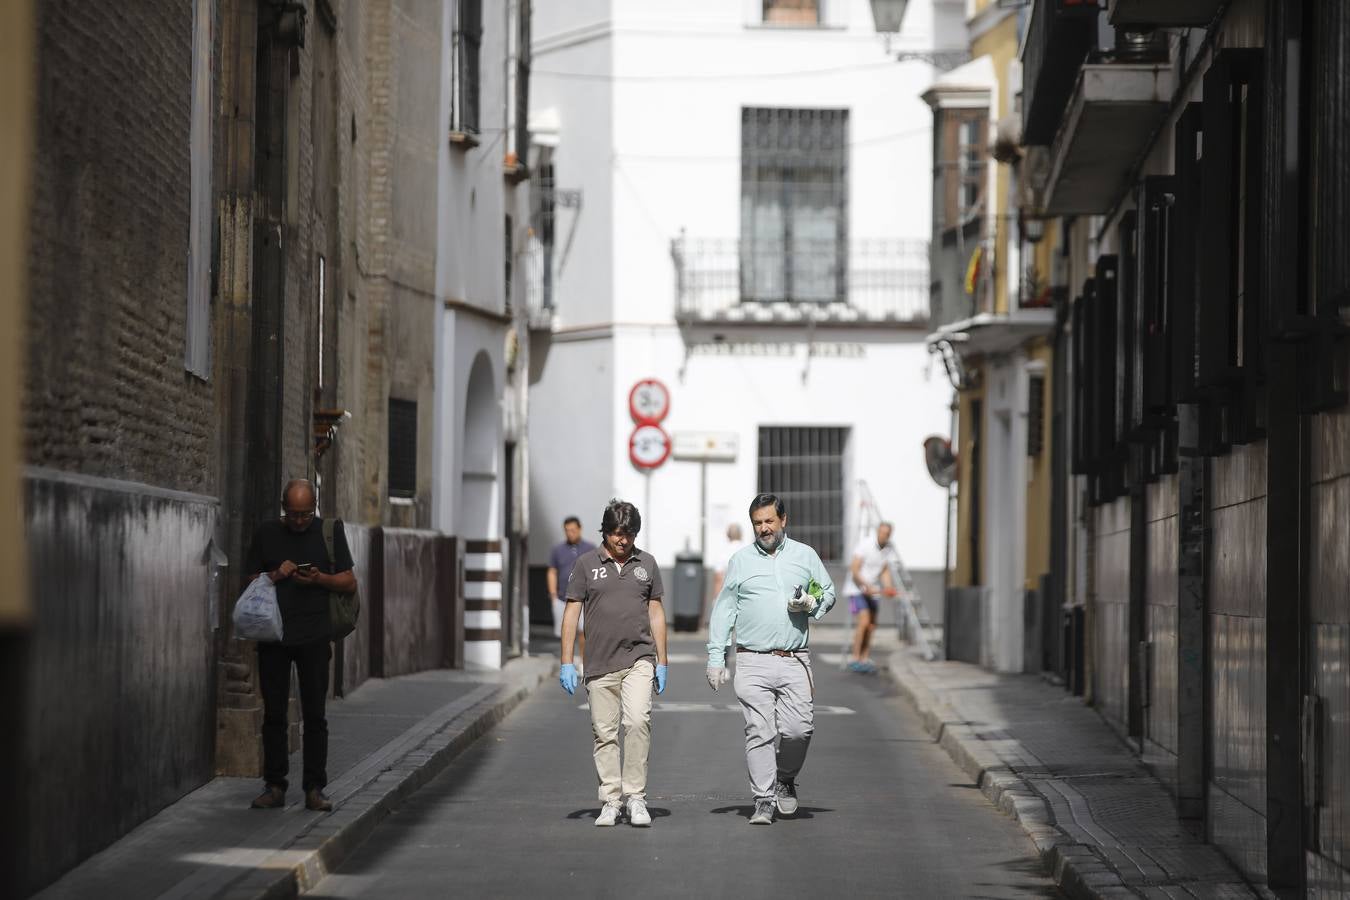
{"x":772,"y":590}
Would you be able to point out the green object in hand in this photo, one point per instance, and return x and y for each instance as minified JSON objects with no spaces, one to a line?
{"x":816,"y":589}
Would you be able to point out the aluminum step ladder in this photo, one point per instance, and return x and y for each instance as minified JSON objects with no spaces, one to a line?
{"x":912,"y":621}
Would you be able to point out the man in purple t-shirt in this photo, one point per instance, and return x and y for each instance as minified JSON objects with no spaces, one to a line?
{"x":560,"y":563}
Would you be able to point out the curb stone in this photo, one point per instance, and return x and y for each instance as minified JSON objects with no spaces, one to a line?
{"x":1076,"y":868}
{"x":298,"y":867}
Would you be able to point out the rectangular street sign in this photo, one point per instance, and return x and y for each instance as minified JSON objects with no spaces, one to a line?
{"x":705,"y":446}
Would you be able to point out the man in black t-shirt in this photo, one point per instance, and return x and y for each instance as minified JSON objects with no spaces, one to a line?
{"x":291,"y":550}
{"x":620,"y":588}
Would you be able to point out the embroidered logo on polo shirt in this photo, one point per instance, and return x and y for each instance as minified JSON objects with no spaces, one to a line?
{"x":641,"y":574}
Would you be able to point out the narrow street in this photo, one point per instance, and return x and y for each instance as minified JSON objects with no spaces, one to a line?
{"x":884,"y":811}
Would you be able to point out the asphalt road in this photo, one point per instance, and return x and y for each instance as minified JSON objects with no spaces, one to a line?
{"x":884,"y":812}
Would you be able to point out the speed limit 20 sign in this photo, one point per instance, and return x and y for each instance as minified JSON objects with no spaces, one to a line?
{"x":649,"y":446}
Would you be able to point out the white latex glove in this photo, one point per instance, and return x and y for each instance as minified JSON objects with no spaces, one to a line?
{"x":717,"y":676}
{"x":801,"y":601}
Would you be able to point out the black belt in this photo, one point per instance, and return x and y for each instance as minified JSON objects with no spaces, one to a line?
{"x":787,"y":653}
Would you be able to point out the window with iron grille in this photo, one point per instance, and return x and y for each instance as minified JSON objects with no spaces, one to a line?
{"x":1230,"y":358}
{"x":468,"y":48}
{"x":508,"y":255}
{"x":1097,"y":450}
{"x":402,"y":448}
{"x":805,"y":467}
{"x":794,"y":205}
{"x":791,"y":12}
{"x":543,"y":214}
{"x":1035,"y":414}
{"x":1152,"y":423}
{"x":523,"y":62}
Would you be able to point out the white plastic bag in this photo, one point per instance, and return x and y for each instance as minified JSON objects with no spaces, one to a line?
{"x":257,"y":617}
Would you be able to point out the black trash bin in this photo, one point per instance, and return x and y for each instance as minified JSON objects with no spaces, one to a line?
{"x":686,"y":594}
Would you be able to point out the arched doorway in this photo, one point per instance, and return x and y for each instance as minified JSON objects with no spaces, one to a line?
{"x":478,"y":518}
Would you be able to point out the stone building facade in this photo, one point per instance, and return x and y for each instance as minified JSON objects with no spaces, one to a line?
{"x":1185,"y":177}
{"x":244,"y":218}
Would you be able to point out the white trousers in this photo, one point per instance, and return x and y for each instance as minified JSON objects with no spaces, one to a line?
{"x":776,"y":697}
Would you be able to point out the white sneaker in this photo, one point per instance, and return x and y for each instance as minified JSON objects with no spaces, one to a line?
{"x":637,"y":812}
{"x":609,"y":814}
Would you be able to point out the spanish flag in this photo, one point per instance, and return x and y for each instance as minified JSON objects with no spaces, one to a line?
{"x":973,"y":270}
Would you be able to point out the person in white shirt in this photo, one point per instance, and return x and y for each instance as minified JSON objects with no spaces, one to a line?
{"x":720,"y":557}
{"x":873,"y":578}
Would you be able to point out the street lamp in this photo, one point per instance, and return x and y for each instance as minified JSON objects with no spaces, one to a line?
{"x":888,"y":14}
{"x":1033,"y":229}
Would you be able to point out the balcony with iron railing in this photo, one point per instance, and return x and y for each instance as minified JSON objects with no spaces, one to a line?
{"x":727,"y":281}
{"x":537,"y":266}
{"x":1060,"y":34}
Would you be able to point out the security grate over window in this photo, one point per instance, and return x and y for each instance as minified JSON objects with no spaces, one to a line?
{"x":1035,"y":414}
{"x":402,"y":448}
{"x":805,"y":467}
{"x":794,"y":205}
{"x":468,"y":50}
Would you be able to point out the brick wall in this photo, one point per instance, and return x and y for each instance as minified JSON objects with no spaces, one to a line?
{"x":105,"y":389}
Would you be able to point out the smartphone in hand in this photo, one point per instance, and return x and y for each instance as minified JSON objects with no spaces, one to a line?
{"x":306,"y":568}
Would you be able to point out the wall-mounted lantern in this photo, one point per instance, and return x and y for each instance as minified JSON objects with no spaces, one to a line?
{"x":288,"y":22}
{"x":1033,"y":229}
{"x":888,"y":14}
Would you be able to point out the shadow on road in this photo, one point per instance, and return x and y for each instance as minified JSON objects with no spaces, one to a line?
{"x":1029,"y":868}
{"x":657,"y":812}
{"x":745,"y":812}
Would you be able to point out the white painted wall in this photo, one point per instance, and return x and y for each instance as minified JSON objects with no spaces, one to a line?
{"x":572,"y":460}
{"x":655,"y":143}
{"x":891,"y":399}
{"x":473,"y":199}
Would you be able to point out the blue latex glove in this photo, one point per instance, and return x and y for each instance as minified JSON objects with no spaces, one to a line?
{"x":567,"y":677}
{"x":660,"y":679}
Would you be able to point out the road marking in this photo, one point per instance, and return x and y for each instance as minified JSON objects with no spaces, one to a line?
{"x":679,"y":706}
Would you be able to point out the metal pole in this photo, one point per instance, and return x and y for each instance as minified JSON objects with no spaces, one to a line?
{"x":703,"y":509}
{"x":947,"y":542}
{"x":647,"y":502}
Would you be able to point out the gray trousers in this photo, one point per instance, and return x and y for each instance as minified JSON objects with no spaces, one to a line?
{"x":775,"y":694}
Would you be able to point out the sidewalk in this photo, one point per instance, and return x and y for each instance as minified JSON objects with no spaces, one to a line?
{"x":1104,"y":826}
{"x":387,"y":738}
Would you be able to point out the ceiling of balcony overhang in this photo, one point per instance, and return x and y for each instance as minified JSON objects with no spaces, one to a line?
{"x":1111,"y":119}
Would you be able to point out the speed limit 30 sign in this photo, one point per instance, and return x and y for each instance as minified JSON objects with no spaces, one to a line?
{"x":648,"y":402}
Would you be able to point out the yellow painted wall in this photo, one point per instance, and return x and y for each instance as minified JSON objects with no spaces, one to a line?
{"x":962,"y":574}
{"x":16,"y":135}
{"x":1000,"y":45}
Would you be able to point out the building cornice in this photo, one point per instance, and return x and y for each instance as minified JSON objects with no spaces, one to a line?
{"x":456,"y":305}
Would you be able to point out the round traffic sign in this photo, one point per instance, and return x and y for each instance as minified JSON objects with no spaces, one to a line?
{"x":649,"y":446}
{"x":648,"y":401}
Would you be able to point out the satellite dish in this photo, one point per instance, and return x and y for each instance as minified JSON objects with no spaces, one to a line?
{"x":941,"y":461}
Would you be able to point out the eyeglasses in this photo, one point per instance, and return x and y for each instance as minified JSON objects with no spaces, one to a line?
{"x":297,"y":515}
